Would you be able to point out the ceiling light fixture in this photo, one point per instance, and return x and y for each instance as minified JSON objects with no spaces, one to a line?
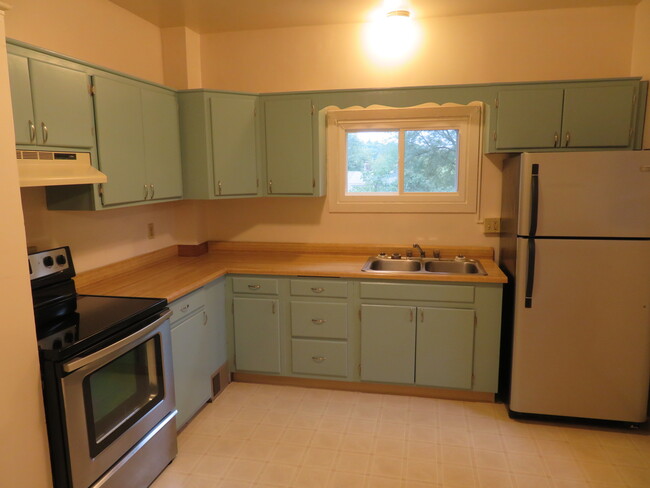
{"x":392,"y":35}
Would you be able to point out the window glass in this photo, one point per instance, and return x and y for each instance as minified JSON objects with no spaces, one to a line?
{"x":430,"y":161}
{"x":372,"y":162}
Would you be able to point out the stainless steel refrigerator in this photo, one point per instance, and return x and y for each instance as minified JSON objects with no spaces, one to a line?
{"x":576,"y":246}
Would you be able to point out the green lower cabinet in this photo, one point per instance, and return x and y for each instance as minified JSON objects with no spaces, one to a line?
{"x":319,"y":357}
{"x":192,"y":385}
{"x":444,"y":354}
{"x":257,"y":334}
{"x":387,"y":343}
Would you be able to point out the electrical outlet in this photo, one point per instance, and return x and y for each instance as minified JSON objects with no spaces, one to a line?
{"x":150,"y":231}
{"x":492,"y":226}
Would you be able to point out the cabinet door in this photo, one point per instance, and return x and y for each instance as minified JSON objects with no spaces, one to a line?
{"x":120,"y":143}
{"x":162,"y":145}
{"x":62,"y":105}
{"x":598,"y":116}
{"x":387,"y":343}
{"x":234,"y":154}
{"x":257,"y":334}
{"x":191,"y":383}
{"x":289,"y":146}
{"x":21,"y":100}
{"x":529,"y":118}
{"x":445,"y":347}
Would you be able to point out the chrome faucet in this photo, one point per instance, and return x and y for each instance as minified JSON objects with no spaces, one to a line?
{"x":422,"y":253}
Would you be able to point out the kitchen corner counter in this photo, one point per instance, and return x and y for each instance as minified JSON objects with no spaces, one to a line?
{"x":165,"y":274}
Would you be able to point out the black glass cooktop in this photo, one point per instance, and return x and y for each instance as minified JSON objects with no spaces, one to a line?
{"x":94,"y":319}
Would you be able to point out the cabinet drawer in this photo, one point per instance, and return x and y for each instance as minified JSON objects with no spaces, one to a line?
{"x":407,"y":291}
{"x":258,"y":286}
{"x":319,"y":319}
{"x":319,"y":288}
{"x":187,"y":305}
{"x":326,"y":358}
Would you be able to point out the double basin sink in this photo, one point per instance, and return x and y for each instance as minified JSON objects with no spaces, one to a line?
{"x":459,"y":265}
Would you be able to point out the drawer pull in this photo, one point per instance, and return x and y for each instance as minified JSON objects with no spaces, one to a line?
{"x":254,"y":287}
{"x":318,"y":321}
{"x":318,"y":359}
{"x":318,"y":289}
{"x":185,"y":307}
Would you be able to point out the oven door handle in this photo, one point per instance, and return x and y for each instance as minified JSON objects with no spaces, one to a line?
{"x":116,"y":347}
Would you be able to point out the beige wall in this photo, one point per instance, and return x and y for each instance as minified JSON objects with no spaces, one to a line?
{"x":99,"y":238}
{"x":24,"y":459}
{"x":517,"y":46}
{"x":100,"y":32}
{"x":641,"y":56}
{"x":97,"y":31}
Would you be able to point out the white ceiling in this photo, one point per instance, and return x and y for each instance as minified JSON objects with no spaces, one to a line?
{"x":206,"y":16}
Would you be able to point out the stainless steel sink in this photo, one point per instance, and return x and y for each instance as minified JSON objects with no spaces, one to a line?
{"x":459,"y":266}
{"x":388,"y":265}
{"x":454,"y":267}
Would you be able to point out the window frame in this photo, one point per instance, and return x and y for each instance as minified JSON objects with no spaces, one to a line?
{"x":467,"y":119}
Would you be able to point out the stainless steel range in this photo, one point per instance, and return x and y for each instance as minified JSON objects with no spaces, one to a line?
{"x":107,"y":380}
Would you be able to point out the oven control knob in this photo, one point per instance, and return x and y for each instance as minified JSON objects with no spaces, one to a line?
{"x":57,"y":344}
{"x":60,"y":259}
{"x":48,"y":261}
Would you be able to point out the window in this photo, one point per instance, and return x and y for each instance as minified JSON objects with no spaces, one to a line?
{"x":417,"y":159}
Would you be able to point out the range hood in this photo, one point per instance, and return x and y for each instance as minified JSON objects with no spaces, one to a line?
{"x":47,"y":168}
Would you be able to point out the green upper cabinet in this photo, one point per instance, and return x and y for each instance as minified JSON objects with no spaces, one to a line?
{"x":137,"y":141}
{"x":162,"y":143}
{"x":52,"y":104}
{"x":234,"y":145}
{"x":292,"y":165}
{"x":219,"y":144}
{"x":597,"y":115}
{"x":529,"y":118}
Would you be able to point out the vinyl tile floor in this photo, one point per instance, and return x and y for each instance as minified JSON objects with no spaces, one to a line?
{"x":269,"y":436}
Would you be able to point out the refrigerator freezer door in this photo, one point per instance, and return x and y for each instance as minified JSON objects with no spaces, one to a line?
{"x":597,"y":194}
{"x":583,"y":348}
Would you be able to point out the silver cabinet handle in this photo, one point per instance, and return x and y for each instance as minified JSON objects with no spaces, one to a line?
{"x":123,"y":344}
{"x":153,"y":192}
{"x":567,"y":138}
{"x":219,"y":185}
{"x":205,"y":318}
{"x":318,"y":359}
{"x":556,"y":138}
{"x":254,"y":287}
{"x":273,"y":307}
{"x":318,"y":321}
{"x":270,"y":186}
{"x":32,"y":132}
{"x":185,"y":308}
{"x":411,"y":315}
{"x":45,"y":132}
{"x":146,"y":191}
{"x":318,"y":290}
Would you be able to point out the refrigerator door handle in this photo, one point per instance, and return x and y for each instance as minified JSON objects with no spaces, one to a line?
{"x":534,"y":199}
{"x":530,"y":274}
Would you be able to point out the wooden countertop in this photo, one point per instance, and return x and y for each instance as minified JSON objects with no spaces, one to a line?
{"x":166,"y":274}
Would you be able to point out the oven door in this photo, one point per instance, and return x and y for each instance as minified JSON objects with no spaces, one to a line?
{"x":114,"y":397}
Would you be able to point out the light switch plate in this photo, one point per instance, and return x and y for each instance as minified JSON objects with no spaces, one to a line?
{"x":492,"y":226}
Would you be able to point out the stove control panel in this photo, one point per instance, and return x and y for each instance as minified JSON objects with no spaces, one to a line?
{"x":53,"y":262}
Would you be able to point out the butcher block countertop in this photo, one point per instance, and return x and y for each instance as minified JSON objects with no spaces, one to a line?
{"x":178,"y":270}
